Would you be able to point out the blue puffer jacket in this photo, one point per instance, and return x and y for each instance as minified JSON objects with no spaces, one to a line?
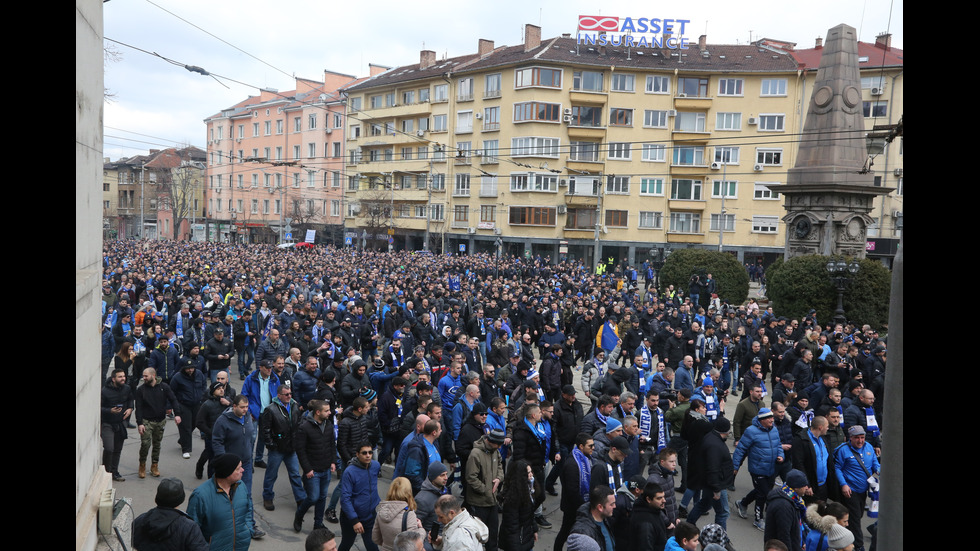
{"x":761,"y":446}
{"x":225,"y":522}
{"x":359,"y":490}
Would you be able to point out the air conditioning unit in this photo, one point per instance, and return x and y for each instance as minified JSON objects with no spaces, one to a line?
{"x":567,"y":111}
{"x":231,"y":209}
{"x":567,"y":119}
{"x":563,"y":183}
{"x":672,"y":113}
{"x":715,"y":166}
{"x":753,"y":121}
{"x":471,"y":230}
{"x":497,"y":231}
{"x":233,"y":215}
{"x":877,"y":91}
{"x":757,"y":168}
{"x":562,"y":209}
{"x":478,"y":116}
{"x":420,"y":133}
{"x":329,"y":130}
{"x":605,"y":229}
{"x":899,"y":171}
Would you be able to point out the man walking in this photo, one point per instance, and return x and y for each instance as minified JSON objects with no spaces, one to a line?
{"x":152,"y":399}
{"x":855,"y":462}
{"x":117,"y":406}
{"x":222,"y":506}
{"x":359,"y":498}
{"x":316,"y":450}
{"x":484,"y":474}
{"x":761,"y":445}
{"x":278,"y":425}
{"x":234,"y":433}
{"x":260,"y":387}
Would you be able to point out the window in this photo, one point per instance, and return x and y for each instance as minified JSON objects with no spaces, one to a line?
{"x":618,"y":184}
{"x":765,"y":224}
{"x":727,"y":155}
{"x":265,"y":206}
{"x":533,"y":216}
{"x":491,"y":118}
{"x":407,"y":153}
{"x":692,"y":87}
{"x":623,"y":83}
{"x":352,"y":210}
{"x":730,"y":87}
{"x":255,"y":129}
{"x":685,"y":190}
{"x":375,"y":102}
{"x":490,"y":150}
{"x":532,"y":146}
{"x":464,"y":89}
{"x":464,"y":122}
{"x":440,"y":92}
{"x":279,"y":153}
{"x":583,"y":151}
{"x":590,"y":81}
{"x":355,"y":104}
{"x":298,"y":123}
{"x":461,"y":214}
{"x":439,"y":154}
{"x":267,"y":180}
{"x":876,"y":109}
{"x":488,"y":213}
{"x":408,"y":97}
{"x":355,"y":156}
{"x":689,"y":122}
{"x":438,"y":182}
{"x":581,"y":219}
{"x":491,"y":86}
{"x":352,"y":183}
{"x":868,"y":83}
{"x":728,"y":121}
{"x":268,"y":128}
{"x":408,"y":126}
{"x":771,"y":123}
{"x":437,"y":212}
{"x":654,"y":119}
{"x":377,"y":130}
{"x":422,"y":152}
{"x":651,"y":220}
{"x":726,"y":221}
{"x":621,"y":117}
{"x":586,"y":116}
{"x":219,"y":181}
{"x":537,"y":76}
{"x":255,"y":180}
{"x":241,"y":131}
{"x":688,"y":156}
{"x":769,"y":157}
{"x":728,"y":187}
{"x":900,"y":187}
{"x":296,"y":180}
{"x":488,"y":186}
{"x":619,"y":151}
{"x":423,"y":95}
{"x":335,"y":180}
{"x":617,"y":218}
{"x":310,"y":178}
{"x":355,"y":131}
{"x":439,"y":123}
{"x":652,"y":186}
{"x":658,"y":84}
{"x":279,"y":126}
{"x":685,"y":222}
{"x":462,"y":187}
{"x":763,"y":192}
{"x":390,"y":99}
{"x":255,"y":206}
{"x":338,"y":120}
{"x":296,"y":152}
{"x":533,"y":182}
{"x":537,"y":111}
{"x":654,"y":152}
{"x":774,"y":87}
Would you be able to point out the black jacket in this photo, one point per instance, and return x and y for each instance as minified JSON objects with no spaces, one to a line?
{"x":568,"y":421}
{"x":167,"y":529}
{"x":278,"y":425}
{"x":208,"y":414}
{"x":783,"y":520}
{"x":113,"y":396}
{"x":585,"y":525}
{"x":716,"y":463}
{"x":315,"y":446}
{"x":648,"y":526}
{"x":351,"y":432}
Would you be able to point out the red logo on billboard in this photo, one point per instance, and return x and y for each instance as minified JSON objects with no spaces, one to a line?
{"x":597,"y":23}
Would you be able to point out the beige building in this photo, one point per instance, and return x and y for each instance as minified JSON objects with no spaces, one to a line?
{"x":549,"y":145}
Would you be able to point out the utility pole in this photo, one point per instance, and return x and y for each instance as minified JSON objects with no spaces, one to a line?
{"x":596,"y":248}
{"x":142,"y":199}
{"x":428,"y":214}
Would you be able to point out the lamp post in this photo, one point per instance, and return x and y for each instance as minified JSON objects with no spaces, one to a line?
{"x":842,"y":274}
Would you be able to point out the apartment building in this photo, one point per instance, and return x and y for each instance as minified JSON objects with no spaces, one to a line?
{"x":275,"y":161}
{"x":550,"y":146}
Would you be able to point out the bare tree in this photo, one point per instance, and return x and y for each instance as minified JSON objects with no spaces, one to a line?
{"x":179,"y":190}
{"x":376,"y":215}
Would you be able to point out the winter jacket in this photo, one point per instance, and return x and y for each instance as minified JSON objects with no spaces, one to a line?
{"x":648,"y":526}
{"x":314,"y":444}
{"x":268,"y":350}
{"x":278,"y":425}
{"x":113,"y":396}
{"x":165,"y":361}
{"x":351,"y":431}
{"x":359,"y":491}
{"x":233,"y":435}
{"x":665,"y":479}
{"x":425,"y":499}
{"x":465,"y":533}
{"x":392,"y":515}
{"x":568,"y":421}
{"x":167,"y":529}
{"x":153,"y":401}
{"x":416,"y":462}
{"x":253,"y":388}
{"x":716,"y":463}
{"x":189,"y":389}
{"x":762,"y":448}
{"x":482,"y":467}
{"x":586,"y":531}
{"x":517,"y":525}
{"x":208,"y":414}
{"x":225,"y":521}
{"x":784,"y":520}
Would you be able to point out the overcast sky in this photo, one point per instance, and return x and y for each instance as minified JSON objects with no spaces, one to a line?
{"x":156,"y":104}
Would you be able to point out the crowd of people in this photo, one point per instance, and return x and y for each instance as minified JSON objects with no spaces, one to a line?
{"x":485,"y":384}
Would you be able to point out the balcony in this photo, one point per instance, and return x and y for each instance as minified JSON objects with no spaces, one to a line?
{"x":491,"y":126}
{"x":491,"y":94}
{"x":682,"y":101}
{"x":679,"y":237}
{"x":401,"y":110}
{"x":464,"y":97}
{"x":590,"y":98}
{"x":587,"y":132}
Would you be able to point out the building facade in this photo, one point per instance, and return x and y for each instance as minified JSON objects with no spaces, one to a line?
{"x":275,"y":161}
{"x":552,"y":146}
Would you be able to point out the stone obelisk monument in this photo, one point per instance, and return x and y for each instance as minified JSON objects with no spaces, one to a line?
{"x":828,"y":193}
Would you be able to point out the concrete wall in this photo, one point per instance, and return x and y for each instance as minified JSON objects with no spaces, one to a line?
{"x":90,"y":478}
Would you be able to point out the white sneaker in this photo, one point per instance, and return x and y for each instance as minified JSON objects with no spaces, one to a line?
{"x":187,"y":455}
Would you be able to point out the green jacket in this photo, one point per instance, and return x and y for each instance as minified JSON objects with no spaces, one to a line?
{"x":482,"y":467}
{"x":675,"y":416}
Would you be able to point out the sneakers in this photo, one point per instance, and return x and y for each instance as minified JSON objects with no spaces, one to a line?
{"x":760,"y":525}
{"x":742,"y":512}
{"x":258,"y":533}
{"x":261,"y":464}
{"x":269,"y":505}
{"x":542,"y":522}
{"x":332,"y":516}
{"x":116,"y":477}
{"x":186,"y":455}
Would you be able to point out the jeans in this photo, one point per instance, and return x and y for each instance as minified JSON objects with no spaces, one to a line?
{"x":707,"y":501}
{"x":335,"y":497}
{"x":348,"y":534}
{"x":152,"y":435}
{"x":245,"y":360}
{"x":316,"y":494}
{"x":276,"y":457}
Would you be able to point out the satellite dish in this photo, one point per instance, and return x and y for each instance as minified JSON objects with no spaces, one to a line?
{"x":323,"y":97}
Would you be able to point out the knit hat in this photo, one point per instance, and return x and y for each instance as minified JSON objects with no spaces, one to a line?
{"x":708,"y":381}
{"x":170,"y":492}
{"x":436,"y":468}
{"x":796,"y":479}
{"x":213,"y":387}
{"x":612,"y":425}
{"x":369,"y":394}
{"x":497,"y":436}
{"x":225,"y":465}
{"x":722,"y":424}
{"x":479,"y":408}
{"x":532,"y":373}
{"x":713,"y":533}
{"x":765,"y":413}
{"x":839,"y":537}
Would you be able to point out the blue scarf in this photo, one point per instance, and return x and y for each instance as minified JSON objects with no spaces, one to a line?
{"x":869,"y":414}
{"x":539,"y":432}
{"x":584,"y":472}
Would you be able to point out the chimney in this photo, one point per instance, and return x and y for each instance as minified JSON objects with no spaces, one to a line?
{"x":703,"y":42}
{"x":427,"y":58}
{"x":532,"y":37}
{"x":484,"y":47}
{"x":666,"y":37}
{"x":819,"y":42}
{"x":375,"y":69}
{"x":884,"y":40}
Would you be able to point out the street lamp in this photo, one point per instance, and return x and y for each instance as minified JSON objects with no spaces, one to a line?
{"x":842,"y":274}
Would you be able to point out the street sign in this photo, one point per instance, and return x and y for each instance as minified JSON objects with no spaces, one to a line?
{"x":391,"y":231}
{"x":391,"y":240}
{"x":462,"y":247}
{"x":288,"y":236}
{"x":348,"y":240}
